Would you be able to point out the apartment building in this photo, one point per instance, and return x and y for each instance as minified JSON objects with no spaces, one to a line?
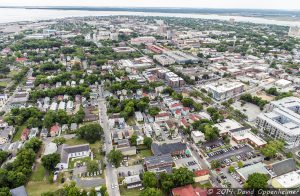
{"x":282,"y":121}
{"x":225,"y":90}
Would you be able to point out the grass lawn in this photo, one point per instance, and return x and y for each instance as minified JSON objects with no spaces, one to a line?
{"x":129,"y":192}
{"x":39,"y":173}
{"x":18,"y":133}
{"x":3,"y":84}
{"x":131,"y":121}
{"x":75,"y":141}
{"x":13,"y":73}
{"x":203,"y":186}
{"x":37,"y":188}
{"x":79,"y":160}
{"x":146,"y":153}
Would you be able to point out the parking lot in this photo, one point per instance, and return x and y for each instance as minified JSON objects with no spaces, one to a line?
{"x":227,"y":153}
{"x":130,"y":170}
{"x":188,"y":162}
{"x":213,"y":144}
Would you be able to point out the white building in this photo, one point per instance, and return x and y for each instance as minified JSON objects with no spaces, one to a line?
{"x":282,"y":121}
{"x":181,"y":57}
{"x":164,"y":59}
{"x":225,"y":90}
{"x":53,"y":106}
{"x":143,"y":40}
{"x":198,"y":136}
{"x":139,"y":116}
{"x":287,"y":181}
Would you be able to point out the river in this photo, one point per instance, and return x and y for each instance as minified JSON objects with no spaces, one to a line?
{"x":8,"y":15}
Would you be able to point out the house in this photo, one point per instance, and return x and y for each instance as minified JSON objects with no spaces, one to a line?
{"x":73,"y":126}
{"x":132,"y":182}
{"x":64,"y":127}
{"x":25,"y":134}
{"x":44,"y":133}
{"x":172,"y":148}
{"x":33,"y":132}
{"x":54,"y":130}
{"x":50,"y":148}
{"x":201,"y":176}
{"x":128,"y":151}
{"x":139,"y":117}
{"x":158,"y":164}
{"x":123,"y":143}
{"x":72,"y":152}
{"x":6,"y":134}
{"x":19,"y":191}
{"x":162,"y":117}
{"x":197,"y":136}
{"x":172,"y":127}
{"x":188,"y":190}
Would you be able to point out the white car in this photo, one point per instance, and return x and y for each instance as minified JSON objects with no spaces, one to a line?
{"x":112,"y":186}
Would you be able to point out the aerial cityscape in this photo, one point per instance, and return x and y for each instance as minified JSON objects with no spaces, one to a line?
{"x":149,"y":101}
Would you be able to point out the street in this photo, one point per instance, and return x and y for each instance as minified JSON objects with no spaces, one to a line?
{"x":110,"y":172}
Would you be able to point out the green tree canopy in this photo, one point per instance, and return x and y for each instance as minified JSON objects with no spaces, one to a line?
{"x":90,"y":132}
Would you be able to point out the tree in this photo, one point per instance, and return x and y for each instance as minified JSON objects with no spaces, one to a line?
{"x":103,"y":189}
{"x":5,"y":191}
{"x":148,"y":141}
{"x":90,"y":132}
{"x":115,"y":157}
{"x":92,"y":166}
{"x":231,"y":169}
{"x":49,"y":119}
{"x":240,"y":164}
{"x":150,"y":180}
{"x":154,"y":111}
{"x":271,"y":148}
{"x":59,"y":140}
{"x":151,"y":192}
{"x":167,"y":182}
{"x":183,"y":176}
{"x":50,"y":161}
{"x":187,"y":102}
{"x":215,"y":164}
{"x":133,"y":140}
{"x":34,"y":144}
{"x":256,"y":181}
{"x":3,"y":156}
{"x":210,"y":133}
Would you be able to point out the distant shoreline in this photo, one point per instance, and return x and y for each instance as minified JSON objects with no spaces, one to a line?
{"x":289,"y":15}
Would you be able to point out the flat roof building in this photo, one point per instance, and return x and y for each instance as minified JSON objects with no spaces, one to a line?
{"x":282,"y":121}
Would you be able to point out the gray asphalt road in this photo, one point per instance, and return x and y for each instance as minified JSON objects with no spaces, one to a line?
{"x":110,"y":172}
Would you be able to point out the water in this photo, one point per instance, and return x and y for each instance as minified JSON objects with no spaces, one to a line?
{"x":16,"y":15}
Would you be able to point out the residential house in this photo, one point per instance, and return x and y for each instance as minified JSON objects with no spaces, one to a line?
{"x":44,"y":133}
{"x":201,"y":176}
{"x":54,"y":130}
{"x":33,"y":132}
{"x":139,"y":117}
{"x":162,"y":117}
{"x":132,"y":182}
{"x":188,"y":190}
{"x":128,"y":151}
{"x":6,"y":134}
{"x":197,"y":136}
{"x":25,"y":134}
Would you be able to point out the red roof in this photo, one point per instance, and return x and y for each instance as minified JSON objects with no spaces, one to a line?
{"x":175,"y":105}
{"x":202,"y":172}
{"x":54,"y":128}
{"x":178,"y":112}
{"x":21,"y":59}
{"x":162,"y":115}
{"x":188,"y":190}
{"x":183,"y":121}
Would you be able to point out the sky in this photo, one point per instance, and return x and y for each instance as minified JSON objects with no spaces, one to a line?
{"x":245,"y":4}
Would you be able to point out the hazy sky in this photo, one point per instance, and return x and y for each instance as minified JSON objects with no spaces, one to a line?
{"x":261,"y":4}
